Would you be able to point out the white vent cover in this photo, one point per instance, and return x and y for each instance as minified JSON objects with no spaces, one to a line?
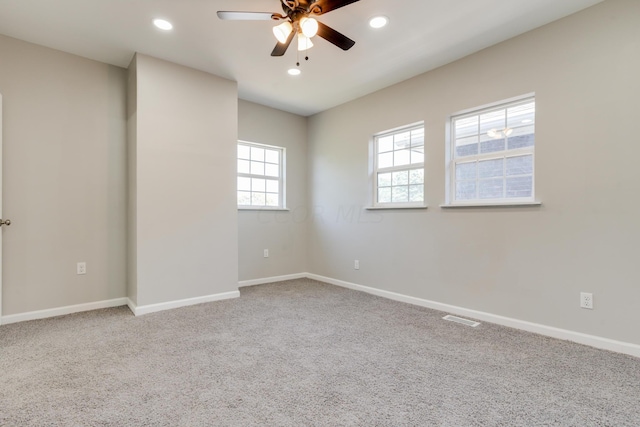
{"x":461,"y":320}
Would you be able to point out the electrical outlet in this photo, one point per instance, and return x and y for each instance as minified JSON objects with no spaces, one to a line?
{"x":356,"y":265}
{"x":586,"y":300}
{"x":81,"y":268}
{"x":266,"y":253}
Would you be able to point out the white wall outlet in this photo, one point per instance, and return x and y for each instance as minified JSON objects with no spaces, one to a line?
{"x":586,"y":300}
{"x":81,"y":268}
{"x":266,"y":253}
{"x":356,"y":265}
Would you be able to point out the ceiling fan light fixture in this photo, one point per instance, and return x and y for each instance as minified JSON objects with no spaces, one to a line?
{"x":282,"y":31}
{"x":163,"y":24}
{"x":304,"y":42}
{"x":309,"y":26}
{"x":378,"y":21}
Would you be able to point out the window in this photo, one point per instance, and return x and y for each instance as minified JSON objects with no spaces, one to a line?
{"x":491,"y":158}
{"x":260,"y":176}
{"x":398,"y":171}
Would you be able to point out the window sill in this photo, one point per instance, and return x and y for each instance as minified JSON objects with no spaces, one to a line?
{"x":256,"y":208}
{"x":375,"y":208}
{"x":491,"y":205}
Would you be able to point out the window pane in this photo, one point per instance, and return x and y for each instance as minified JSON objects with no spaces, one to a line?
{"x":402,"y":140}
{"x":491,"y":145}
{"x":521,"y":115}
{"x":257,"y":168}
{"x":272,"y":199}
{"x":417,"y":155}
{"x":520,"y":165}
{"x":466,"y":171}
{"x":521,"y":137}
{"x":273,"y":186}
{"x":417,"y":137}
{"x":416,"y":176}
{"x":258,"y":199}
{"x":491,"y":188}
{"x":244,"y":166}
{"x":243,"y":152}
{"x":271,"y":170}
{"x":385,"y":160}
{"x":384,"y":179}
{"x":400,"y":178}
{"x":257,"y":154}
{"x":272,"y":156}
{"x":244,"y":198}
{"x":258,"y":185}
{"x":466,"y":127}
{"x":467,"y":146}
{"x":399,"y":194}
{"x":416,"y":193}
{"x":465,"y":190}
{"x":520,"y":187}
{"x":244,"y":184}
{"x":402,"y":157}
{"x":492,"y":121}
{"x":385,"y":144}
{"x":490,"y":168}
{"x":384,"y":195}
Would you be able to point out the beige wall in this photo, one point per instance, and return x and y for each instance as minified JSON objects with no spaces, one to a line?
{"x":524,"y":263}
{"x":64,"y":178}
{"x":186,"y":222}
{"x":284,"y":233}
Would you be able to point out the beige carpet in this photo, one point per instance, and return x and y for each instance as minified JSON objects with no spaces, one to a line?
{"x":303,"y":353}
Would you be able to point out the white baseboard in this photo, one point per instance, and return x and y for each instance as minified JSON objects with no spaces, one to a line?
{"x":139,"y":310}
{"x":60,"y":311}
{"x":254,"y":282}
{"x":563,"y":334}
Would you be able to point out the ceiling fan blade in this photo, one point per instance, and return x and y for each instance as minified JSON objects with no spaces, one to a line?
{"x":332,"y":36}
{"x":281,"y":48}
{"x":245,"y":16}
{"x":329,"y":5}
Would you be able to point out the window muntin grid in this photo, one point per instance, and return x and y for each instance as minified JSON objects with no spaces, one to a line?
{"x":492,"y":152}
{"x":399,"y":167}
{"x":260,"y":176}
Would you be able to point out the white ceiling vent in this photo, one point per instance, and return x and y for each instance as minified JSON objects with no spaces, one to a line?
{"x":461,"y":320}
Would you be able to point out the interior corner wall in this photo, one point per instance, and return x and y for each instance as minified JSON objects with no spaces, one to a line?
{"x":526,"y":263}
{"x":283,"y":233}
{"x":185,"y":171}
{"x":64,"y":185}
{"x":132,"y":185}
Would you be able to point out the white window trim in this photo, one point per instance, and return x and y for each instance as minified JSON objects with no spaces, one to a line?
{"x":451,"y":160}
{"x":374,"y":172}
{"x":281,"y":180}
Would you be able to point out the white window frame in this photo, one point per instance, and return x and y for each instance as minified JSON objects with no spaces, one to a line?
{"x":452,"y":161}
{"x":376,"y":170}
{"x":281,"y":176}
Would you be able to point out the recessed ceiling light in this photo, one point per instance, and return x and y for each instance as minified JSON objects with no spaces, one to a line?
{"x":294,"y":71}
{"x":378,"y":21}
{"x":163,"y":24}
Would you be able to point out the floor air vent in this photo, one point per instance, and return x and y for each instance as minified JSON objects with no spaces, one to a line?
{"x":461,"y":320}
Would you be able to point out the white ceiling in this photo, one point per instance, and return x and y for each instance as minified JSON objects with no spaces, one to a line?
{"x":421,"y":35}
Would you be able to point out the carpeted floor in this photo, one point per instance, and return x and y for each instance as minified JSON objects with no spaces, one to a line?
{"x":303,"y":353}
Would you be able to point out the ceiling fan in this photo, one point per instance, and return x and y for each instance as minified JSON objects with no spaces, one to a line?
{"x":298,"y":20}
